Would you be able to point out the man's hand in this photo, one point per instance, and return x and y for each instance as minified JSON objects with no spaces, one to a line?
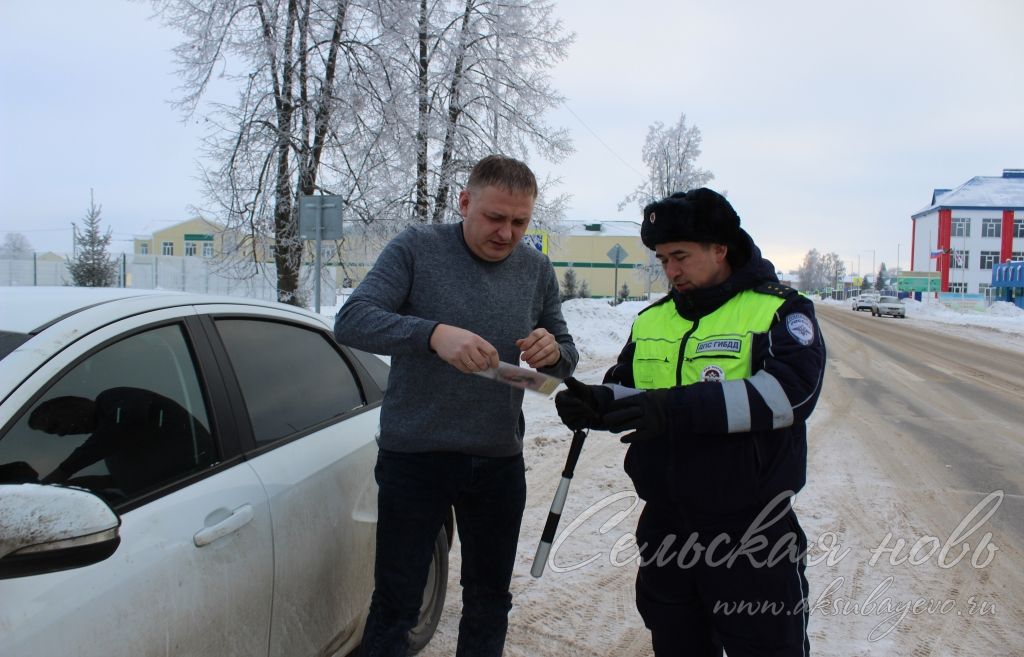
{"x":540,"y":349}
{"x":581,"y":406}
{"x":464,"y":350}
{"x":645,"y":414}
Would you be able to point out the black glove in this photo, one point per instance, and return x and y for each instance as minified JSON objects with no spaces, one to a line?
{"x":646,"y":414}
{"x":582,"y":405}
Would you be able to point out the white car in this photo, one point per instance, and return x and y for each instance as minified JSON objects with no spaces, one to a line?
{"x":186,"y":475}
{"x":889,"y":306}
{"x":864,"y":301}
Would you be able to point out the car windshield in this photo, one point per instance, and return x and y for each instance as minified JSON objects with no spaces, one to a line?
{"x":10,"y":341}
{"x":888,"y":300}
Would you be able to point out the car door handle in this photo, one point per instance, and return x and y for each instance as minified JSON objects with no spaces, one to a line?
{"x":239,"y":518}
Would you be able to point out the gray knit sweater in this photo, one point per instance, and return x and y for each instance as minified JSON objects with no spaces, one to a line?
{"x":426,"y":276}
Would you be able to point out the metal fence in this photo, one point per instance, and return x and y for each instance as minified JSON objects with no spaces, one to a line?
{"x":185,"y":273}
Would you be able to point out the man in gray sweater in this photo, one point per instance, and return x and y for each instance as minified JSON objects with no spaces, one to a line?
{"x":446,"y":301}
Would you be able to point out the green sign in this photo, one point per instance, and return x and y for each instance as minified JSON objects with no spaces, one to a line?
{"x":195,"y":237}
{"x":919,"y":281}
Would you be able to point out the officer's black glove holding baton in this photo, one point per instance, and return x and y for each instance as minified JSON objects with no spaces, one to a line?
{"x":614,"y":408}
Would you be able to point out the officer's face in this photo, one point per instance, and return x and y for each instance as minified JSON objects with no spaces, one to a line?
{"x":693,"y":265}
{"x":494,"y":220}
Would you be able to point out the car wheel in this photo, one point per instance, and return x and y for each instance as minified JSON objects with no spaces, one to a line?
{"x":433,"y":596}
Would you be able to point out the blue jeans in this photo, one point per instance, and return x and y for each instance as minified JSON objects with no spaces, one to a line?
{"x":416,"y":492}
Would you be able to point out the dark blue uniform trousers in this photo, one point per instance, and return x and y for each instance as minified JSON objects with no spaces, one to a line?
{"x":701,"y":591}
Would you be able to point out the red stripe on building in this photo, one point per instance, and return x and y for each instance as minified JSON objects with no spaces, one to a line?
{"x":1006,"y":247}
{"x":945,"y":235}
{"x":913,"y":242}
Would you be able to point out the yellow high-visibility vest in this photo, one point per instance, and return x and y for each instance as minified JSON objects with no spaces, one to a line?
{"x":672,"y":351}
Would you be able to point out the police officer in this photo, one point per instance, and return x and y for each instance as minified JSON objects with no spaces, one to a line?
{"x":715,"y":384}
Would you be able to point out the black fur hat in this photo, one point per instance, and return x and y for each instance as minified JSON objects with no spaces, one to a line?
{"x":699,"y":215}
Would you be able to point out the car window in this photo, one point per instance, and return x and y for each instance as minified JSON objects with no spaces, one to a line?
{"x":375,"y":366}
{"x":292,"y":378}
{"x":124,"y":421}
{"x":889,"y":300}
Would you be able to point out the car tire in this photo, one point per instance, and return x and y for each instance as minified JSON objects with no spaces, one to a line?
{"x":433,"y":596}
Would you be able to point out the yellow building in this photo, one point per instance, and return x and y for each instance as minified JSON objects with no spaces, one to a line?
{"x":196,"y":237}
{"x":588,"y":249}
{"x":203,"y":238}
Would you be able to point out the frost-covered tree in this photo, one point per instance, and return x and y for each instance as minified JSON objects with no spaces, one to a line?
{"x":15,"y":247}
{"x":92,"y":266}
{"x":833,"y":270}
{"x":670,"y":154}
{"x":811,"y":273}
{"x":623,"y":292}
{"x":820,"y":271}
{"x":386,"y":103}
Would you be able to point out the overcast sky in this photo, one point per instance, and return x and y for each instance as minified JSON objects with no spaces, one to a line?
{"x":827,"y":123}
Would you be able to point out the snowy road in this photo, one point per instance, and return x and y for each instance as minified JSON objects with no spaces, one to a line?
{"x":920,"y":434}
{"x":914,"y":437}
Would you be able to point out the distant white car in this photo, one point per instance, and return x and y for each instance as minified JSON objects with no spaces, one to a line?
{"x":186,"y":475}
{"x":864,"y":301}
{"x":892,"y":306}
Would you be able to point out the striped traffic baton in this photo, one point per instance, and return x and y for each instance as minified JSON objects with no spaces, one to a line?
{"x":555,"y":514}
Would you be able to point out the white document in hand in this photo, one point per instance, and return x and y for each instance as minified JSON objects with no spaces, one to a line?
{"x":520,"y":377}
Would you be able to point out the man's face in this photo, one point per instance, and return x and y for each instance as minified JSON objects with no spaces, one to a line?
{"x":495,"y":220}
{"x":693,"y":265}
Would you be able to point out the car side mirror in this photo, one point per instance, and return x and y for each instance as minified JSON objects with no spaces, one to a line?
{"x":44,"y":529}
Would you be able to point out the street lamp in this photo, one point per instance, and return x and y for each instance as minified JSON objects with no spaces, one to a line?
{"x":898,"y":269}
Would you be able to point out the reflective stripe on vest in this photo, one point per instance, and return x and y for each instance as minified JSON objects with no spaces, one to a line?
{"x":717,"y":347}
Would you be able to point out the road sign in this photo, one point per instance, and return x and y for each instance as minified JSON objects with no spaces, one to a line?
{"x":323,"y":210}
{"x":617,"y":254}
{"x":320,"y":219}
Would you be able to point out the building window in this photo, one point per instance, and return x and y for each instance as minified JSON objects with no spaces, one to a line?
{"x":1017,"y":255}
{"x":991,"y":227}
{"x":143,"y":248}
{"x":167,"y":248}
{"x":207,"y":249}
{"x":989,"y":258}
{"x":961,"y":227}
{"x":959,"y":259}
{"x":1018,"y":227}
{"x":190,"y":248}
{"x":986,"y":289}
{"x":958,"y":288}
